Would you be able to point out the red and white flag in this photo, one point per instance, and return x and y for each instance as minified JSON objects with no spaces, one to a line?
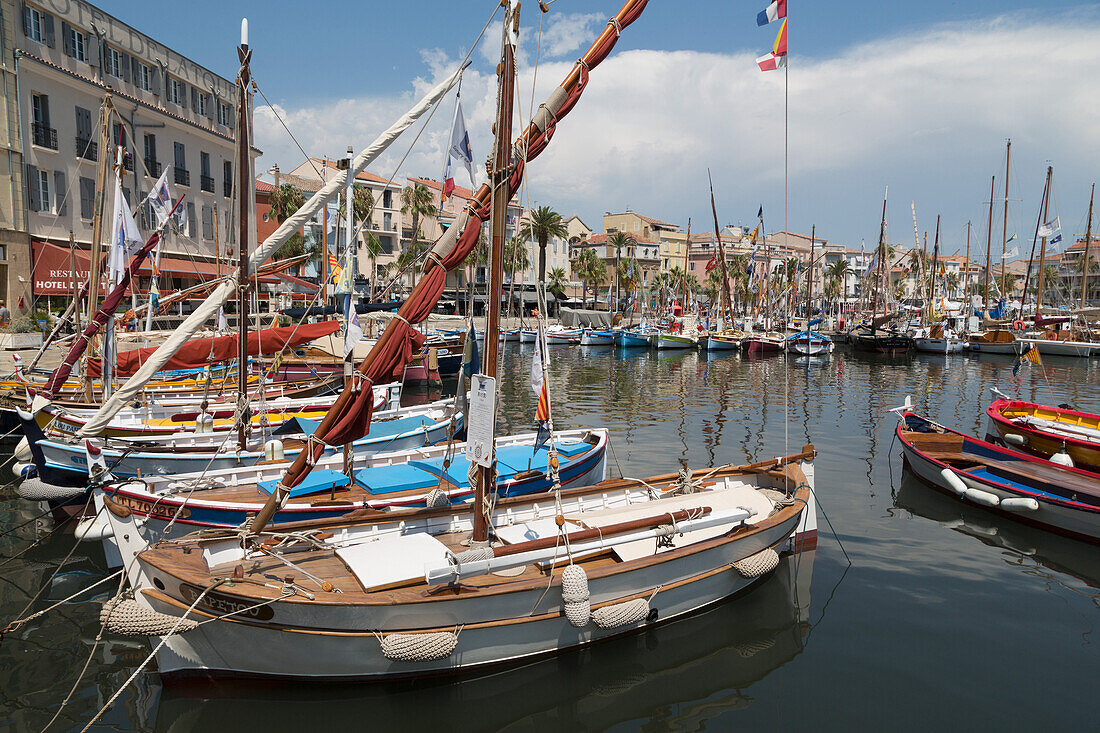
{"x":778,"y":57}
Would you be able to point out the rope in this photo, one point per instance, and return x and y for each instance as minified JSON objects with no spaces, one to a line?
{"x":152,"y":654}
{"x":16,"y":624}
{"x":279,"y":117}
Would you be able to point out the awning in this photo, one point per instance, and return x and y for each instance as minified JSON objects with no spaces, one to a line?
{"x":53,"y":273}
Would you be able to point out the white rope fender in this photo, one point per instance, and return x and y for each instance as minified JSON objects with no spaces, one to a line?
{"x":621,"y":614}
{"x":126,"y":617}
{"x":35,"y":489}
{"x":419,"y":647}
{"x":759,"y":564}
{"x":574,"y":595}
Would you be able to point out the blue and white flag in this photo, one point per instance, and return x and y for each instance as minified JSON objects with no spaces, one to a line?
{"x":460,"y":150}
{"x":353,"y":332}
{"x":126,"y":239}
{"x":160,"y":198}
{"x":1050,"y":227}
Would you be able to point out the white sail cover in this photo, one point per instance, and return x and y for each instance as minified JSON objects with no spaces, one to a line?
{"x":186,"y":330}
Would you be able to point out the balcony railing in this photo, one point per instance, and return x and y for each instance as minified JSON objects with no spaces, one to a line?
{"x":183,"y":176}
{"x":206,"y":183}
{"x":86,"y":148}
{"x":44,"y":137}
{"x":153,"y":167}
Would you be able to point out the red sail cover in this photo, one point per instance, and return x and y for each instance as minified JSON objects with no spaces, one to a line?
{"x":200,"y":352}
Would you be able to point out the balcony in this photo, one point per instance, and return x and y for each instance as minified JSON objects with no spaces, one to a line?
{"x":153,"y":167}
{"x":44,"y":137}
{"x":183,"y":176}
{"x":86,"y":148}
{"x":206,"y":183}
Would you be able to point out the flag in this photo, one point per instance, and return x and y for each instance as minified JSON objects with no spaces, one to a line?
{"x":1048,"y":228}
{"x":775,"y":11}
{"x":1056,"y":238}
{"x":353,"y":332}
{"x":1031,"y":355}
{"x":160,"y":198}
{"x":333,"y":215}
{"x":460,"y":149}
{"x":539,"y":363}
{"x":712,"y":263}
{"x":778,"y":56}
{"x":345,"y":272}
{"x":333,"y":266}
{"x":755,"y":232}
{"x":760,"y":213}
{"x":873,"y":264}
{"x":126,"y":240}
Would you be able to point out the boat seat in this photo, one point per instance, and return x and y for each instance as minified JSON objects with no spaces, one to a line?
{"x":458,"y":472}
{"x":315,"y":483}
{"x":398,"y":477}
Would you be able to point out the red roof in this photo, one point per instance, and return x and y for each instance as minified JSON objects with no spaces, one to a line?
{"x":264,"y":186}
{"x":362,"y":175}
{"x":602,"y":238}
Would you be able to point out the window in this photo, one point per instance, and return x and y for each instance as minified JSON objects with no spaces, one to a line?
{"x":44,"y":192}
{"x":145,"y":78}
{"x":44,"y":135}
{"x":201,"y":108}
{"x":206,"y":181}
{"x":387,"y":199}
{"x":183,"y":176}
{"x":114,"y":62}
{"x":175,"y":91}
{"x":224,"y":112}
{"x":227,"y":178}
{"x":150,"y":149}
{"x":32,"y":23}
{"x":204,"y":163}
{"x":87,"y":198}
{"x":387,"y":221}
{"x":78,"y":44}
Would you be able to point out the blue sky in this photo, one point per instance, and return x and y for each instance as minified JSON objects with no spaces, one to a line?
{"x":920,"y":96}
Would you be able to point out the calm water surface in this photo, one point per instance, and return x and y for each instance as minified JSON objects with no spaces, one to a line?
{"x":948,"y":616}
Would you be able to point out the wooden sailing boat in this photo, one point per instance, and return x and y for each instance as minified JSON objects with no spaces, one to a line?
{"x":810,"y":342}
{"x":724,"y":338}
{"x":398,"y":594}
{"x":937,"y":337}
{"x":874,"y":337}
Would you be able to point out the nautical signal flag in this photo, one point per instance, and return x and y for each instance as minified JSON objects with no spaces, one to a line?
{"x":539,"y":363}
{"x":334,"y":267}
{"x":778,"y":57}
{"x":777,"y":10}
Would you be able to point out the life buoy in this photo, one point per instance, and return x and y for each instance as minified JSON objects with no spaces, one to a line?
{"x":1018,"y":325}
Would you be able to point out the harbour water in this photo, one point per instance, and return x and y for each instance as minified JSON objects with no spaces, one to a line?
{"x":946,"y":617}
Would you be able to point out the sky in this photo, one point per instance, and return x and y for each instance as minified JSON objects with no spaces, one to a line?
{"x":920,"y":97}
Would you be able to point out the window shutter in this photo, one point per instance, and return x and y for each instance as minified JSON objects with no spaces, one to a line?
{"x":210,"y":106}
{"x":135,"y":71}
{"x":26,"y":22}
{"x":47,"y":29}
{"x":61,"y":195}
{"x":66,"y":38}
{"x":83,"y":123}
{"x":194,"y":99}
{"x":126,"y":195}
{"x":154,"y":78}
{"x":190,"y":218}
{"x":44,"y":102}
{"x":124,"y":66}
{"x":232,"y":117}
{"x":207,"y":223}
{"x":34,"y":197}
{"x":91,"y":49}
{"x":87,"y":198}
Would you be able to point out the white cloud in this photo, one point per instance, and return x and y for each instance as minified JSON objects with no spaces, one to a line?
{"x":926,"y":113}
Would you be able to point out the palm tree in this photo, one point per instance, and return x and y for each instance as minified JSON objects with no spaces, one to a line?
{"x":417,"y":201}
{"x":589,"y":268}
{"x":479,"y":255}
{"x":541,"y":224}
{"x":679,"y":282}
{"x":285,"y":201}
{"x":556,"y":283}
{"x":515,"y":258}
{"x":374,"y":248}
{"x":620,"y":241}
{"x":714,"y":285}
{"x":661,"y":284}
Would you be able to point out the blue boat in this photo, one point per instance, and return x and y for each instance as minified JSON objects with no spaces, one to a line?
{"x":810,"y":342}
{"x":633,"y":339}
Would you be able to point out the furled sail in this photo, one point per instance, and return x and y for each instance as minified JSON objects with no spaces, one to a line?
{"x":350,"y":415}
{"x":128,"y":391}
{"x":200,"y":352}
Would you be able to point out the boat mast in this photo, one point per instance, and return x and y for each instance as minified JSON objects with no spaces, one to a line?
{"x":486,"y":475}
{"x":687,"y":249}
{"x":988,"y":244}
{"x":935,"y":261}
{"x":880,"y":288}
{"x":1043,"y":246}
{"x":810,"y":278}
{"x":95,"y":254}
{"x":244,"y":78}
{"x":1088,"y":241}
{"x":966,"y":272}
{"x":1035,"y":238}
{"x":1004,"y":228}
{"x":727,"y":306}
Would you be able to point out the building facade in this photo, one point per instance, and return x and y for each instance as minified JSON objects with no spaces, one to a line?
{"x":168,"y":113}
